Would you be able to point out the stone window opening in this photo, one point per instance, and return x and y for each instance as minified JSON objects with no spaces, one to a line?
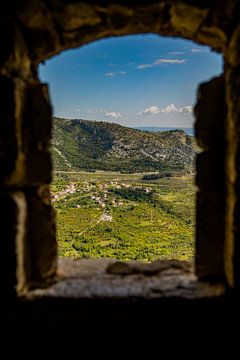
{"x":71,"y":247}
{"x":28,"y":220}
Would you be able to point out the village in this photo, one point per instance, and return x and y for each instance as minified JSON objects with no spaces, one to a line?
{"x":103,"y":194}
{"x":109,"y":215}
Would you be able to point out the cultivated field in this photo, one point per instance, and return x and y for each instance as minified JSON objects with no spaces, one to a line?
{"x":113,"y":215}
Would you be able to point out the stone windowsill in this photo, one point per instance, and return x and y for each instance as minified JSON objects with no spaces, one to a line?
{"x":98,"y":278}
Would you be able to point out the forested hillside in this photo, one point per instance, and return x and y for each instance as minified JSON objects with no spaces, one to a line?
{"x":94,"y":145}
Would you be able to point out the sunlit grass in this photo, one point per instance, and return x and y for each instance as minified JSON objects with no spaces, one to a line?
{"x":147,"y":228}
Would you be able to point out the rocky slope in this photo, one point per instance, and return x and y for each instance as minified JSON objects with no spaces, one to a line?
{"x":94,"y":145}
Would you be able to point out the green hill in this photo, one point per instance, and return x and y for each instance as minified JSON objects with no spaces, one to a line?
{"x":97,"y":145}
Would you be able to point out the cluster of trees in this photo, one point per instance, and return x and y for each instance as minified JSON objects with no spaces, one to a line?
{"x":134,"y":194}
{"x":155,"y":176}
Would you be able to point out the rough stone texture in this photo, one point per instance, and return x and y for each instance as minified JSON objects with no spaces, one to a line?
{"x":91,"y":278}
{"x":14,"y":59}
{"x":24,"y":137}
{"x":40,"y":237}
{"x":36,"y":135}
{"x":232,"y":253}
{"x":210,"y":170}
{"x":210,"y":112}
{"x":71,"y":24}
{"x":11,"y":154}
{"x":30,"y":246}
{"x":210,"y":235}
{"x":13,"y":223}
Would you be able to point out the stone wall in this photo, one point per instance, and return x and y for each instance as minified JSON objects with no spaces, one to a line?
{"x":34,"y":30}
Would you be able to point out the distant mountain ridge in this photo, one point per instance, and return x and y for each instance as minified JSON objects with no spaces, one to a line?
{"x":97,"y":145}
{"x":188,"y":131}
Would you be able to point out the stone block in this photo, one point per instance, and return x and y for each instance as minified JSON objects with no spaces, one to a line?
{"x":14,"y":55}
{"x":233,"y":49}
{"x":210,"y":235}
{"x":193,"y":17}
{"x":210,"y":112}
{"x":28,"y":239}
{"x":232,"y":253}
{"x":13,"y":217}
{"x":36,"y":135}
{"x":210,"y":172}
{"x":212,"y":35}
{"x":40,"y":237}
{"x":11,"y":154}
{"x":38,"y":25}
{"x":25,"y":133}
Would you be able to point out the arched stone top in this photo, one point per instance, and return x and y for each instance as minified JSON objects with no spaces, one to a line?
{"x":52,"y":26}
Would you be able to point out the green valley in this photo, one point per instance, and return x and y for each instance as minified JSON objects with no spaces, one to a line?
{"x":123,"y":216}
{"x":123,"y":193}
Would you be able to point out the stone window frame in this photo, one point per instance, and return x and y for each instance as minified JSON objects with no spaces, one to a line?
{"x":28,"y":224}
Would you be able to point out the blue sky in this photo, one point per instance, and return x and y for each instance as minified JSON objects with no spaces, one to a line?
{"x":137,"y":80}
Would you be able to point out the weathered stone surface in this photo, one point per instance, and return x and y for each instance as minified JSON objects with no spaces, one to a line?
{"x":234,"y":48}
{"x":210,"y":112}
{"x":232,"y":247}
{"x":38,"y":24}
{"x":90,"y":278}
{"x":40,"y":237}
{"x":193,"y":17}
{"x":71,"y":24}
{"x":14,"y":58}
{"x":28,"y":239}
{"x":12,"y":170}
{"x":120,"y":268}
{"x":13,"y":215}
{"x":76,"y":15}
{"x":36,"y":134}
{"x":210,"y":170}
{"x":212,"y":35}
{"x":25,"y":133}
{"x":210,"y":235}
{"x":154,"y":268}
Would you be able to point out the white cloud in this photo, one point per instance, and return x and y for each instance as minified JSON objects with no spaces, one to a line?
{"x":169,"y":109}
{"x":198,"y":50}
{"x":176,"y":53}
{"x":186,"y":109}
{"x":144,"y":66}
{"x":153,"y":110}
{"x":112,"y":114}
{"x":110,"y":74}
{"x":170,"y":61}
{"x":101,"y":112}
{"x":162,"y":61}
